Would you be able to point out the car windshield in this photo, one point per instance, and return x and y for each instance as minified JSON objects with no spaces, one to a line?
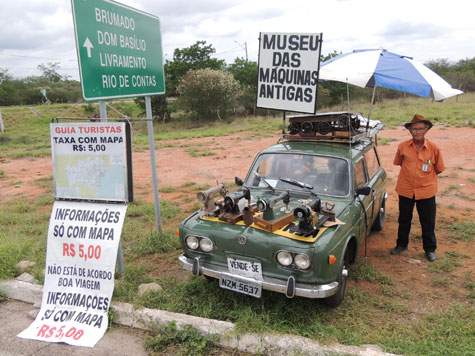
{"x":326,"y":175}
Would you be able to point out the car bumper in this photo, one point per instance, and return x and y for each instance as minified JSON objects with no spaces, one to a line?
{"x":271,"y":284}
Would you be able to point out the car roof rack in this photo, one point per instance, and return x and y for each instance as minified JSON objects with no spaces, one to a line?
{"x":340,"y":126}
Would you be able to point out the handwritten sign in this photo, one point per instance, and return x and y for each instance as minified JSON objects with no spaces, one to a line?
{"x":79,"y":278}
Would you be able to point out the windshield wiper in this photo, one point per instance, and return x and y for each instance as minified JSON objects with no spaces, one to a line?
{"x":297,"y":183}
{"x":266,"y":182}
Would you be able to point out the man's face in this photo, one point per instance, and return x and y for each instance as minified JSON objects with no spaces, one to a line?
{"x":418,"y":131}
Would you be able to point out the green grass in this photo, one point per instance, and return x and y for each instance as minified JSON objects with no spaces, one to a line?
{"x":23,"y":228}
{"x":454,"y":111}
{"x":360,"y":320}
{"x":187,"y":341}
{"x":441,"y":282}
{"x":196,"y":152}
{"x":14,"y":143}
{"x":167,"y":189}
{"x":188,"y":184}
{"x":464,"y":230}
{"x":451,"y":188}
{"x":385,"y":141}
{"x":444,"y":263}
{"x":362,"y":271}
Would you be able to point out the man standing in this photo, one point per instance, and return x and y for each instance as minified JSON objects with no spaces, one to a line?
{"x":420,"y":161}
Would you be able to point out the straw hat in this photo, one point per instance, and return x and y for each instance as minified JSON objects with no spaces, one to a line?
{"x":416,"y":119}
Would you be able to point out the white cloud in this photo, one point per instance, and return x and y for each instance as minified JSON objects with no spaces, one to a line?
{"x":422,"y":29}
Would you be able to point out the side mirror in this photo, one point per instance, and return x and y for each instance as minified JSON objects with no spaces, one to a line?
{"x":238,"y":181}
{"x":363,"y":191}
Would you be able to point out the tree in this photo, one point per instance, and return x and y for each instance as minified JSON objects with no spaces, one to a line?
{"x":50,"y":72}
{"x":197,"y":56}
{"x":159,"y":107}
{"x":245,"y":72}
{"x":210,"y":93}
{"x":4,"y":76}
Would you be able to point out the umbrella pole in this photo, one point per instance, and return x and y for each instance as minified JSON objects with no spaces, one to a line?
{"x":370,"y":108}
{"x":283,"y":123}
{"x":347,"y":94}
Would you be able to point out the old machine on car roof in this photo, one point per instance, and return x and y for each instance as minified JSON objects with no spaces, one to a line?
{"x":300,"y":217}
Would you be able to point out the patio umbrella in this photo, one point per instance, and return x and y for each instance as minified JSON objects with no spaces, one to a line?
{"x":378,"y":67}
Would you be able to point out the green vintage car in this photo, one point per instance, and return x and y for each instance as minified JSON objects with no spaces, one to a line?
{"x":298,"y":220}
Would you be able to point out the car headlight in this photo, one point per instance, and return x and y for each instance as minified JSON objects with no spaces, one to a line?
{"x":192,"y":242}
{"x":206,"y":245}
{"x":284,"y":258}
{"x":302,"y":261}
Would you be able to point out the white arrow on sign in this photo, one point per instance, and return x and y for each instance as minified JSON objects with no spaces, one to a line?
{"x":88,"y":45}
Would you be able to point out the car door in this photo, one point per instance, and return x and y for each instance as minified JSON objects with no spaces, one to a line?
{"x":361,"y":180}
{"x":375,"y":176}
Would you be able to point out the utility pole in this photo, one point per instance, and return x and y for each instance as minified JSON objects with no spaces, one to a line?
{"x":244,"y":47}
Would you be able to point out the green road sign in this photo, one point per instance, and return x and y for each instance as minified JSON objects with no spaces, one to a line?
{"x":119,"y":50}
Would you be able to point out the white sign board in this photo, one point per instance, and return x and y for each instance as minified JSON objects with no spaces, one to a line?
{"x":90,"y":161}
{"x":79,"y":278}
{"x":288,"y":71}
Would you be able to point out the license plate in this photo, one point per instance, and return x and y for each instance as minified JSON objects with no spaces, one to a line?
{"x":245,"y":268}
{"x":241,"y":286}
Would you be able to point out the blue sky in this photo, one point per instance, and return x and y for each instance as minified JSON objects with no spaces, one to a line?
{"x":40,"y":31}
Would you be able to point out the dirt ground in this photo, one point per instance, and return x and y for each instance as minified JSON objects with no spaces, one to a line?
{"x":417,"y":286}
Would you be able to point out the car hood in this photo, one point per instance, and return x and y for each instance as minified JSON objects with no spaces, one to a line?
{"x":210,"y":224}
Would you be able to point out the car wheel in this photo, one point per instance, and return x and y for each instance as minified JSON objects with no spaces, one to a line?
{"x":379,"y":223}
{"x":337,"y":298}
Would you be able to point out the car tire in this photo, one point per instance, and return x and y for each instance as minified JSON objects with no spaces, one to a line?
{"x":336,"y":299}
{"x":379,"y":222}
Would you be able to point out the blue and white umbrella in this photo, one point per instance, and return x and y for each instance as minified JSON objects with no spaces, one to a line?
{"x":378,"y":67}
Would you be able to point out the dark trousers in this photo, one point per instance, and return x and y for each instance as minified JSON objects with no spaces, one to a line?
{"x":426,"y":210}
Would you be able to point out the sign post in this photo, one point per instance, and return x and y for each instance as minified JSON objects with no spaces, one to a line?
{"x":151,"y":142}
{"x":119,"y":50}
{"x":2,"y":128}
{"x":120,"y":56}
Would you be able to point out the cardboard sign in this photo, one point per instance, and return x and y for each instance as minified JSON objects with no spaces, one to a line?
{"x":79,"y":278}
{"x":288,"y":71}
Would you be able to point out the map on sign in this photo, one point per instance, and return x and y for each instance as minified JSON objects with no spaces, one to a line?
{"x":90,"y":161}
{"x":97,"y":177}
{"x":119,"y":50}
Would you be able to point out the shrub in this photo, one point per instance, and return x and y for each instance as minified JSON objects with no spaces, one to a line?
{"x":208,"y":92}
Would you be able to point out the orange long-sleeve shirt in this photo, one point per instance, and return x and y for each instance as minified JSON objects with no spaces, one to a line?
{"x":412,"y":180}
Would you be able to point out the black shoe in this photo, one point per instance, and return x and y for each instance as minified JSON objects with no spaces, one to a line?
{"x":431,"y":256}
{"x":397,"y":250}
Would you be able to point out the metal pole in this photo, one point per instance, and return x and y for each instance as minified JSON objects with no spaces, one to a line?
{"x":372,"y":101}
{"x":245,"y":46}
{"x":120,"y":260}
{"x":151,"y":142}
{"x":103,"y":111}
{"x":2,"y":128}
{"x":347,"y":94}
{"x":120,"y":257}
{"x":370,"y":108}
{"x":283,"y":123}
